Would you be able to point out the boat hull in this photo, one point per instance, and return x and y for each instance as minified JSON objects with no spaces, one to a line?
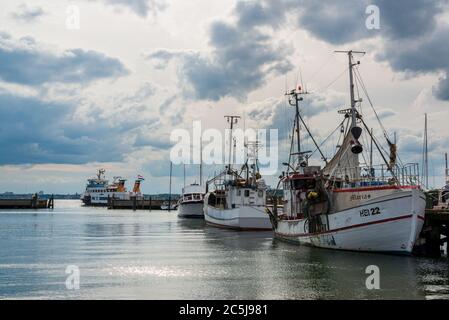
{"x":240,"y":218}
{"x":393,"y":228}
{"x":191,"y":210}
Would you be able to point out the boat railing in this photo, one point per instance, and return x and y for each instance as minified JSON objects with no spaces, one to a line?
{"x":378,"y":175}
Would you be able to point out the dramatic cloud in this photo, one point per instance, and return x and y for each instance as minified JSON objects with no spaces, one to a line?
{"x":242,"y":58}
{"x":343,"y":21}
{"x":140,"y":7}
{"x":36,"y":131}
{"x":39,"y":129}
{"x":24,"y":62}
{"x":414,"y":41}
{"x":335,"y":22}
{"x":27,"y":14}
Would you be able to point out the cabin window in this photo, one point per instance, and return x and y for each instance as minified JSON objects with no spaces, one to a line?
{"x":260,"y":193}
{"x":246,"y":193}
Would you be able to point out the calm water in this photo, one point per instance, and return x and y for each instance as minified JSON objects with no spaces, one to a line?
{"x":155,"y":255}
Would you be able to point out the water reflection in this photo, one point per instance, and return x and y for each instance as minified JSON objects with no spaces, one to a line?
{"x":155,"y":255}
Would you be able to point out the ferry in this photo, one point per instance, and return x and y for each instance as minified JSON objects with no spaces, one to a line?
{"x":99,"y":190}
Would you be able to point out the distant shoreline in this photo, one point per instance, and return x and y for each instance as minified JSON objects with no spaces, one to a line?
{"x":74,"y":196}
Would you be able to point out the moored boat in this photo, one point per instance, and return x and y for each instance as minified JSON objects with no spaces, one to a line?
{"x":349,"y":205}
{"x":190,"y":204}
{"x":237,"y":202}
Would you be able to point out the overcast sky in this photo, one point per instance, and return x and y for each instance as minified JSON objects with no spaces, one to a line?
{"x":108,"y":94}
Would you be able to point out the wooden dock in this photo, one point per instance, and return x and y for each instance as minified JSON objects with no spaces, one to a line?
{"x":33,"y":203}
{"x":434,"y":233}
{"x":138,"y":204}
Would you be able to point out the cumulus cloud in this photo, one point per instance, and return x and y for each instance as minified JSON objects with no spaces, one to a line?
{"x":243,"y":55}
{"x":140,"y":7}
{"x":27,"y":14}
{"x":25,"y":62}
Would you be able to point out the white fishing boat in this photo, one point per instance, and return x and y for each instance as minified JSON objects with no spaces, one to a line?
{"x":190,"y":204}
{"x":235,"y":201}
{"x":348,"y":204}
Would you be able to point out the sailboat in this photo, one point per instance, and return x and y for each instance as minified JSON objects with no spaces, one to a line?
{"x":348,"y":204}
{"x":236,"y":199}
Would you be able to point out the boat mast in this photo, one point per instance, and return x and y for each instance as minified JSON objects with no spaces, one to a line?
{"x":351,"y":84}
{"x":371,"y":172}
{"x":201,"y":162}
{"x":231,"y":120}
{"x":295,"y":95}
{"x":426,"y":156}
{"x":447,"y":170}
{"x":169,"y":192}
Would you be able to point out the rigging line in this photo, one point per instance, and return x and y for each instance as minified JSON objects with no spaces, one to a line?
{"x":324,"y":141}
{"x":359,"y":77}
{"x":362,"y":84}
{"x":358,"y":95}
{"x":322,"y":89}
{"x":313,"y":139}
{"x":382,"y":155}
{"x":331,"y":55}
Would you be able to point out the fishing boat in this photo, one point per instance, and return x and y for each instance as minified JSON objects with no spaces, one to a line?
{"x":99,"y":190}
{"x":350,"y":203}
{"x":236,"y":199}
{"x":190,"y":204}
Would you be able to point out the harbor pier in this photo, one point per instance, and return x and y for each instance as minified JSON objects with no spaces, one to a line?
{"x":434,"y":234}
{"x":135,"y":203}
{"x":32,"y":203}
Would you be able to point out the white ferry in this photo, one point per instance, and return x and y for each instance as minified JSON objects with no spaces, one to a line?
{"x":98,"y":190}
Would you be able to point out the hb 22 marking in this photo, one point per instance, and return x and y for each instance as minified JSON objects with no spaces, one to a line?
{"x":369,"y":212}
